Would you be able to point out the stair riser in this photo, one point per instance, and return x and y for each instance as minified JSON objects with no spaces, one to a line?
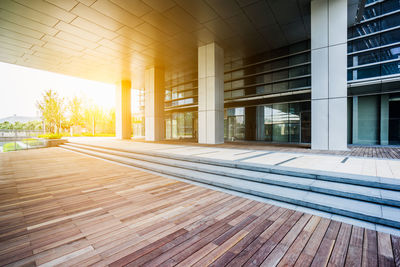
{"x":255,"y":193}
{"x":258,"y":179}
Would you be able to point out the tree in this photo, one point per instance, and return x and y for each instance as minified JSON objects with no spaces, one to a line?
{"x":6,"y":125}
{"x":76,"y":109}
{"x":52,"y":110}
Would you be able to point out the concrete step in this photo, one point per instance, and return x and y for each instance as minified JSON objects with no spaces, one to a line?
{"x":370,"y":194}
{"x":342,"y":178}
{"x":358,"y":209}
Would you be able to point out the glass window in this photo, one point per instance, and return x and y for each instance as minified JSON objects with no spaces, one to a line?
{"x":237,"y":84}
{"x":237,"y":93}
{"x":364,"y":58}
{"x":364,"y":43}
{"x":390,"y":53}
{"x":390,"y":21}
{"x":390,"y":5}
{"x":366,"y":72}
{"x":365,"y":28}
{"x":280,"y":63}
{"x":174,"y":128}
{"x":294,"y":122}
{"x":280,"y":122}
{"x":390,"y":37}
{"x":279,"y":87}
{"x":390,"y":68}
{"x":268,"y":122}
{"x":298,"y":83}
{"x":168,"y":128}
{"x":371,"y":12}
{"x":298,"y":59}
{"x":234,"y":124}
{"x":280,"y":75}
{"x":299,"y":71}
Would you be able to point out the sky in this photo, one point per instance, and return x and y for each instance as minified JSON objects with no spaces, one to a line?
{"x":21,"y":87}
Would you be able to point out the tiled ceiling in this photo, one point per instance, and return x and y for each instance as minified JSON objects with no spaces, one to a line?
{"x":110,"y":40}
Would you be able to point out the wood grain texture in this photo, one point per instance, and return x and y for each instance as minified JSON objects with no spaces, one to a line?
{"x":62,"y":208}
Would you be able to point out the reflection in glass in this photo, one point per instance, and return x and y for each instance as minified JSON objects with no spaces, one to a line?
{"x":234,"y":124}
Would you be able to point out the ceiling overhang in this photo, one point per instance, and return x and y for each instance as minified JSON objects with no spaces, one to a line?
{"x":110,"y":40}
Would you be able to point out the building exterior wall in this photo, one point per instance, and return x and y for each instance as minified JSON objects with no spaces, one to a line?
{"x":267,"y":97}
{"x":374,"y":70}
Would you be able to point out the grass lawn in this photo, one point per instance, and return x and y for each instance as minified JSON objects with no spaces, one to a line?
{"x":11,"y":147}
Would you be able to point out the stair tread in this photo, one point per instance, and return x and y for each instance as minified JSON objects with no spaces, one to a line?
{"x":363,"y":180}
{"x":342,"y":205}
{"x":298,"y":182}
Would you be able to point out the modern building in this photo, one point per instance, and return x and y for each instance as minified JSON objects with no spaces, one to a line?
{"x":319,"y":72}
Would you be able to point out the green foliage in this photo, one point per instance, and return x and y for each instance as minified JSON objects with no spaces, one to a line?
{"x":11,"y":147}
{"x":31,"y":125}
{"x":52,"y":110}
{"x":32,"y":142}
{"x":50,"y":136}
{"x":78,"y":112}
{"x":76,"y":109}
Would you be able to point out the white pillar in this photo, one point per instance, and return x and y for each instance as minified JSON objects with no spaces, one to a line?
{"x":154,"y":104}
{"x":211,"y":94}
{"x":328,"y":74}
{"x":123,"y":122}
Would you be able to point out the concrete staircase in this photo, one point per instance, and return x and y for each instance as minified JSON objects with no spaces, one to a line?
{"x":367,"y":198}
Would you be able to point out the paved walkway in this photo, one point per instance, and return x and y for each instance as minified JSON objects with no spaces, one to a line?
{"x":377,"y":167}
{"x":389,"y":152}
{"x":62,"y":208}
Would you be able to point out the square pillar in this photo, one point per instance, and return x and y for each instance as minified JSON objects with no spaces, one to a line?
{"x":329,"y":74}
{"x":154,"y":104}
{"x":211,"y":94}
{"x":123,"y":123}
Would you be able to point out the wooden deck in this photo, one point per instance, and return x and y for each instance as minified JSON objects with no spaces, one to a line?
{"x":62,"y":208}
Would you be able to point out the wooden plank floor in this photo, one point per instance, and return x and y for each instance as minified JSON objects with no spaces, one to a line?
{"x":62,"y":208}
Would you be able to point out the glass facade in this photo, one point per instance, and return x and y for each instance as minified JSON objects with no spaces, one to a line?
{"x":181,"y":125}
{"x":281,"y":123}
{"x":267,"y":96}
{"x":374,"y":43}
{"x":286,"y":69}
{"x":180,"y":103}
{"x":263,"y":79}
{"x":234,"y":124}
{"x":181,"y":90}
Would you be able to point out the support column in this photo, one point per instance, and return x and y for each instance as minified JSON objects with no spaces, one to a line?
{"x":328,"y":74}
{"x":384,"y":119}
{"x":211,"y":94}
{"x":154,"y":104}
{"x":123,"y":124}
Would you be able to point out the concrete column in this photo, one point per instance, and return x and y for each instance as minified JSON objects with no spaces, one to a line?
{"x":384,"y":120}
{"x":154,"y":104}
{"x":123,"y":123}
{"x":355,"y":119}
{"x":211,"y":94}
{"x":328,"y":74}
